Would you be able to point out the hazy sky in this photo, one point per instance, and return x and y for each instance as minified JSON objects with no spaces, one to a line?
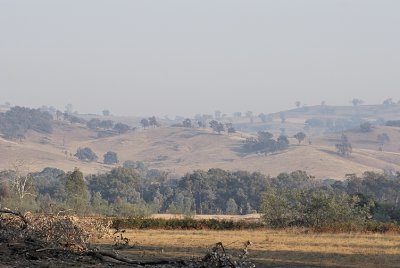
{"x":186,"y":57}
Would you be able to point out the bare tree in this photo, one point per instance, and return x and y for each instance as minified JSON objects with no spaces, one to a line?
{"x":21,"y":180}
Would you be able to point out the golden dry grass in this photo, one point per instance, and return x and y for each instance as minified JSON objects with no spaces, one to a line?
{"x":272,"y":248}
{"x":179,"y":150}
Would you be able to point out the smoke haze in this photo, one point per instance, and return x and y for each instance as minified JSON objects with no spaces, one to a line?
{"x":186,"y":57}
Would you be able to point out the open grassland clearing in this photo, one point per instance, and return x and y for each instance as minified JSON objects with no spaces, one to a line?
{"x":271,"y":248}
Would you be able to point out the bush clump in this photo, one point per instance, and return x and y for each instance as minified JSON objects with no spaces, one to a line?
{"x":183,"y":224}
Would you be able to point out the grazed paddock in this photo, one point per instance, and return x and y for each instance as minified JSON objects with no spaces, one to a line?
{"x":293,"y":248}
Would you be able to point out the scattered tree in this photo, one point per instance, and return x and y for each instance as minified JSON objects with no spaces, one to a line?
{"x":366,"y":127}
{"x":86,"y":154}
{"x":230,"y":128}
{"x":265,"y":143}
{"x":69,"y":108}
{"x":121,"y":128}
{"x":388,"y":102}
{"x":106,"y":124}
{"x":110,"y":158}
{"x":58,"y":114}
{"x":249,"y":115}
{"x":282,"y":115}
{"x":93,"y":123}
{"x":283,"y":142}
{"x":263,"y":117}
{"x":344,"y":147}
{"x":217,"y":114}
{"x":145,"y":123}
{"x":187,"y":123}
{"x":382,"y":139}
{"x":217,"y":126}
{"x":153,"y":121}
{"x":393,"y":123}
{"x":300,"y":136}
{"x":356,"y":102}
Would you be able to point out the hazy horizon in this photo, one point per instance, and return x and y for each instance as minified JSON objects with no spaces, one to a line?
{"x":188,"y":57}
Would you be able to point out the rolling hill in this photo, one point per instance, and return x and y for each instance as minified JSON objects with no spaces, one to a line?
{"x":181,"y":150}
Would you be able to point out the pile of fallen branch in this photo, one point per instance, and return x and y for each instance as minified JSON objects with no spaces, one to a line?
{"x":28,"y":238}
{"x":56,"y":231}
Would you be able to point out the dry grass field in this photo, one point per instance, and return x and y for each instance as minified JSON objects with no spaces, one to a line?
{"x":179,"y":150}
{"x":271,"y":248}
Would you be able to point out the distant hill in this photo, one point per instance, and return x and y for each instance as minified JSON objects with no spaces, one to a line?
{"x":319,"y":119}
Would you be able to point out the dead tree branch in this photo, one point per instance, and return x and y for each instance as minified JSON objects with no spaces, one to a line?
{"x":18,"y":214}
{"x":101,"y":254}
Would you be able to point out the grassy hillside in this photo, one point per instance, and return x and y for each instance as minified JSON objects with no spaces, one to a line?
{"x":180,"y":150}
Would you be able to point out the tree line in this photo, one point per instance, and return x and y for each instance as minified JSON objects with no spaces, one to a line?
{"x":18,"y":120}
{"x":289,"y":199}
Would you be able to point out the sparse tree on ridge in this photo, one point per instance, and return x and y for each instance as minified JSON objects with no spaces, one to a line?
{"x":388,"y":102}
{"x":263,"y":117}
{"x":217,"y":114}
{"x":187,"y":123}
{"x":58,"y":114}
{"x":249,"y":114}
{"x":356,"y":102}
{"x":145,"y":123}
{"x":217,"y":126}
{"x":69,"y":108}
{"x":153,"y":121}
